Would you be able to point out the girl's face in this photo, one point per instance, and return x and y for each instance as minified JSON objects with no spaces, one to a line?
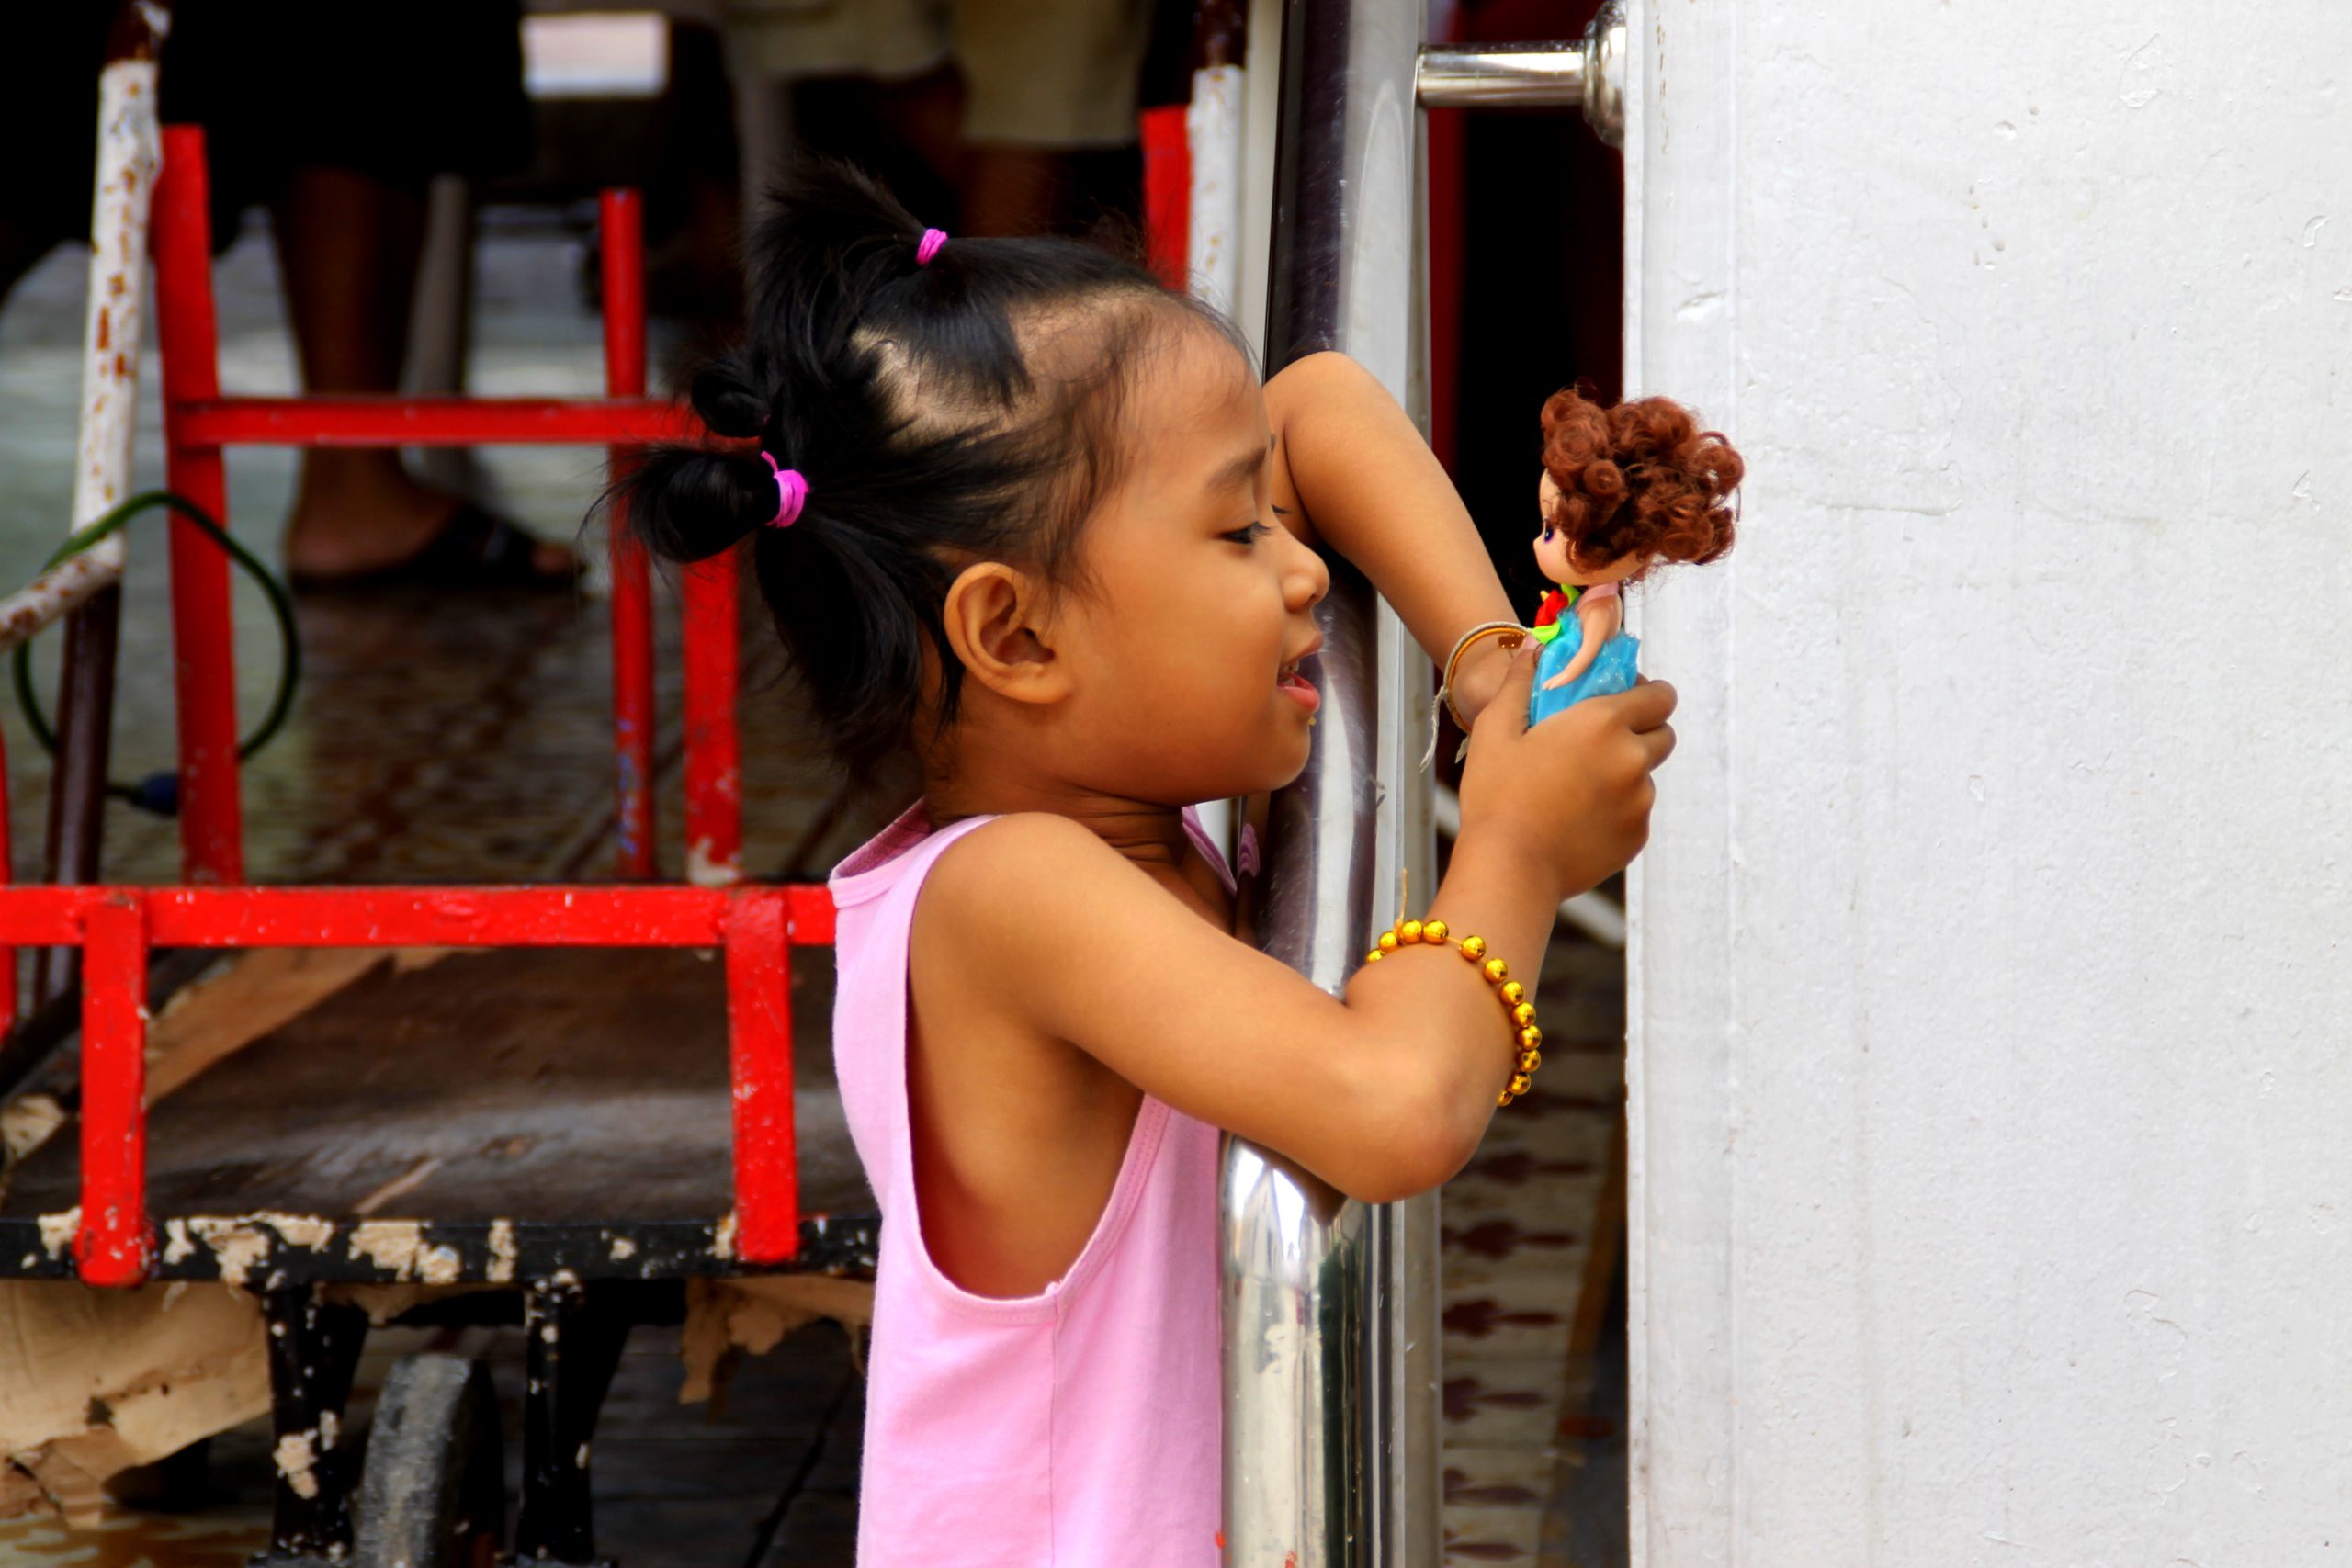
{"x":1551,"y":556}
{"x":1188,"y":623}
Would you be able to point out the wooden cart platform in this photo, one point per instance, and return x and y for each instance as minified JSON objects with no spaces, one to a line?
{"x":457,"y":1116}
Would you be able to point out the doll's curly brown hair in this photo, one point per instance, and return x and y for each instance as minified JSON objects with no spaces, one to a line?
{"x":1641,"y":478}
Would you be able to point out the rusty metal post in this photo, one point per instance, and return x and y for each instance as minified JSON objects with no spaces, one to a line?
{"x":126,"y":162}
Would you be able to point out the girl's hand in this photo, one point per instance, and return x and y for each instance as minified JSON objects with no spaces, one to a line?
{"x":1572,"y":794}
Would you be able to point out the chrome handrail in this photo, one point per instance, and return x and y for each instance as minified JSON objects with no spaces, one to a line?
{"x":1331,"y":1305}
{"x":1588,"y":74}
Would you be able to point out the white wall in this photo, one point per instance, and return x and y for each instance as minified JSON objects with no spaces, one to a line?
{"x":1992,"y":1072}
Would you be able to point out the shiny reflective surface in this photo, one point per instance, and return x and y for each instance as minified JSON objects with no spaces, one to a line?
{"x":1331,"y":1305}
{"x":1608,"y":69}
{"x":1515,"y":76}
{"x":1588,"y":74}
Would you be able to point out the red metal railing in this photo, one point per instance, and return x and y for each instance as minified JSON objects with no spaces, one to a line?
{"x":755,"y":927}
{"x":213,"y":844}
{"x":624,"y":226}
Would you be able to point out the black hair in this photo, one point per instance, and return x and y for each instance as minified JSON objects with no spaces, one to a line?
{"x":940,"y":416}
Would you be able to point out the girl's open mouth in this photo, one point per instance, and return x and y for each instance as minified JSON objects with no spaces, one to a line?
{"x":1297,"y":687}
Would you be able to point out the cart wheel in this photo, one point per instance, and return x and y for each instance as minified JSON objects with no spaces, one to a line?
{"x":432,"y":1493}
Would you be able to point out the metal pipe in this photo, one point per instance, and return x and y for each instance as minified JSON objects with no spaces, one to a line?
{"x":621,"y":223}
{"x":1502,"y":75}
{"x":1214,"y":129}
{"x":713,"y":596}
{"x":204,"y":663}
{"x":125,"y":182}
{"x":32,"y":609}
{"x":1216,"y":167}
{"x":78,"y":782}
{"x":365,"y":420}
{"x":1330,"y":1321}
{"x":1588,"y":74}
{"x":8,"y":1019}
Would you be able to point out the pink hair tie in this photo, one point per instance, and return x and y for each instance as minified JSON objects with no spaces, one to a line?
{"x":791,"y":494}
{"x":928,"y":246}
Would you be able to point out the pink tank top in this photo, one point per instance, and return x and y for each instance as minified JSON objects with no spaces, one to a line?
{"x":1076,"y":1427}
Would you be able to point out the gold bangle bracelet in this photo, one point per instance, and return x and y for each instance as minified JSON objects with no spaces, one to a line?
{"x":1528,"y":1039}
{"x":1468,"y":640}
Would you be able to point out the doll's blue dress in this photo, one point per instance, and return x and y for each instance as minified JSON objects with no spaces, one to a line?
{"x":1615,"y":669}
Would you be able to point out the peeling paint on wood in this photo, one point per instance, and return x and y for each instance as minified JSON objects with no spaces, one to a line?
{"x":389,"y":1245}
{"x":57,"y":1231}
{"x":502,"y":1251}
{"x":296,"y":1457}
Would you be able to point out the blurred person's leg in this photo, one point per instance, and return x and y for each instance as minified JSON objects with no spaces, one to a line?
{"x":1043,"y":79}
{"x":927,"y":114}
{"x":1014,"y":190}
{"x":338,"y":122}
{"x":347,"y":245}
{"x":798,"y":64}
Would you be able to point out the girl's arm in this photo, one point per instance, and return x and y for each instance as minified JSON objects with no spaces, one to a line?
{"x":1383,"y":1092}
{"x":1597,"y":622}
{"x":1351,"y":471}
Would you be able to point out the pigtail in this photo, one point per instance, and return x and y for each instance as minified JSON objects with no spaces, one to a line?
{"x":685,"y":503}
{"x":688,"y":503}
{"x":727,"y":399}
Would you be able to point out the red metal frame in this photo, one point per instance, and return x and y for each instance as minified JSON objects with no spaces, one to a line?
{"x":1167,"y":194}
{"x":213,"y":844}
{"x":7,"y":861}
{"x":622,"y":221}
{"x":215,"y":421}
{"x":755,"y":925}
{"x":713,"y":593}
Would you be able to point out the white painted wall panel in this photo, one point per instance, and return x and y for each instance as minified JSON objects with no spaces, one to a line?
{"x":1993,"y":967}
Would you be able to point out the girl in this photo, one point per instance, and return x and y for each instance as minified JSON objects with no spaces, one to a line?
{"x":1020,"y":510}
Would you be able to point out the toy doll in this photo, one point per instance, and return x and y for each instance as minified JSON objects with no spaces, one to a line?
{"x":1622,"y":490}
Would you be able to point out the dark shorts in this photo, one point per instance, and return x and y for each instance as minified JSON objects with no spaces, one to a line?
{"x":400,"y":92}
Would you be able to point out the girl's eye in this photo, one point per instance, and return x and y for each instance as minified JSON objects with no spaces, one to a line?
{"x":1547,"y":535}
{"x":1248,"y":534}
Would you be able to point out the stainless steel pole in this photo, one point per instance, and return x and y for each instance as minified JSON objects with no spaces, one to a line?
{"x":1588,"y":74}
{"x":1330,"y":1305}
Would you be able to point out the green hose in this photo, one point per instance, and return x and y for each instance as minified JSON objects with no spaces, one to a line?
{"x":159,"y":794}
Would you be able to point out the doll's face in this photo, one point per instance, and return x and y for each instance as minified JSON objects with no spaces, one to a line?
{"x":1551,"y":556}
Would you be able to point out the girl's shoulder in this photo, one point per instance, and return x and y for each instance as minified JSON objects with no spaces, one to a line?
{"x":1015,"y":876}
{"x":1004,"y":889}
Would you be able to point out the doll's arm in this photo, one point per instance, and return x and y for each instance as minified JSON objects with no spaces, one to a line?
{"x":1350,"y":470}
{"x":1597,"y":619}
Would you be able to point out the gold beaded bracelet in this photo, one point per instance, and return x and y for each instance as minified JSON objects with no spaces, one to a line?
{"x":1432,"y":933}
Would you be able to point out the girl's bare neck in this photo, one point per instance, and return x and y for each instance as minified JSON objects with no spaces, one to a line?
{"x":1145,"y":832}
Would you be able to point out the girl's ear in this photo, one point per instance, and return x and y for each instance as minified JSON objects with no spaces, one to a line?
{"x":997,"y":622}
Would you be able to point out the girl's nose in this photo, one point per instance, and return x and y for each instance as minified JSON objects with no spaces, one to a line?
{"x":1305,"y":577}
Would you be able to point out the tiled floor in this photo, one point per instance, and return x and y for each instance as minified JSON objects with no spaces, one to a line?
{"x":439,"y":741}
{"x":1520,"y":1226}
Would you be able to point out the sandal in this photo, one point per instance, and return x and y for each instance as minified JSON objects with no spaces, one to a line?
{"x":475,"y":548}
